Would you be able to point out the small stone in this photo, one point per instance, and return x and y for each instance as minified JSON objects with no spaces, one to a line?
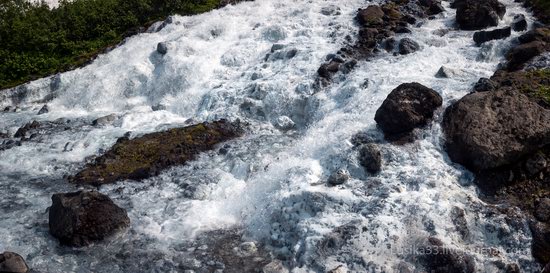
{"x":248,"y":248}
{"x":12,"y":263}
{"x":43,"y":110}
{"x":339,"y":177}
{"x":105,"y":120}
{"x":445,"y":72}
{"x":162,"y":48}
{"x":536,"y":164}
{"x":276,"y":47}
{"x":370,"y":158}
{"x":284,"y":123}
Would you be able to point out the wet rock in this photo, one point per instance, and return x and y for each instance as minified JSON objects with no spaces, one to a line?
{"x":370,"y":158}
{"x":284,"y":123}
{"x":536,"y":164}
{"x":408,"y":46}
{"x":158,"y":107}
{"x":542,"y":210}
{"x":519,"y":23}
{"x":512,"y":268}
{"x":13,"y":263}
{"x":474,"y":14}
{"x":445,"y":72}
{"x":546,"y":269}
{"x":339,"y":177}
{"x":521,"y":54}
{"x":371,"y":16}
{"x":22,"y":132}
{"x":339,"y":269}
{"x":409,"y":106}
{"x":331,"y":10}
{"x":437,"y":258}
{"x":105,"y":120}
{"x":43,"y":110}
{"x":147,"y":155}
{"x":328,"y":69}
{"x":540,"y":245}
{"x":484,"y":85}
{"x":459,"y":220}
{"x":539,"y":34}
{"x":276,"y":47}
{"x":275,"y":266}
{"x":401,"y":29}
{"x":493,"y":129}
{"x":481,"y":37}
{"x":432,"y":6}
{"x":162,"y":48}
{"x":81,"y":218}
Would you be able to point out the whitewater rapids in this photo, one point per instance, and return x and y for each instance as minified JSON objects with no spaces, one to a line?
{"x":271,"y":183}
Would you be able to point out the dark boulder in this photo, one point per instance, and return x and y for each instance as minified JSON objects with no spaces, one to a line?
{"x":484,"y":85}
{"x":370,"y":158}
{"x":162,"y":48}
{"x":540,"y":245}
{"x":43,"y":110}
{"x":409,"y":106}
{"x":147,"y":155}
{"x":105,"y":120}
{"x":519,"y":23}
{"x":521,"y":54}
{"x":436,"y":258}
{"x":481,"y":37}
{"x":371,"y":16}
{"x":81,"y":218}
{"x":408,"y":46}
{"x":22,"y":132}
{"x":486,"y":130}
{"x":12,"y":263}
{"x":432,"y":6}
{"x":475,"y":14}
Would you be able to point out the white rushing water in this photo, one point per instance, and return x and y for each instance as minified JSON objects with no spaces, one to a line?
{"x":271,"y":183}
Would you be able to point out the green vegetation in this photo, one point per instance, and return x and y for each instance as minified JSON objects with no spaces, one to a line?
{"x":536,"y":84}
{"x":36,"y":41}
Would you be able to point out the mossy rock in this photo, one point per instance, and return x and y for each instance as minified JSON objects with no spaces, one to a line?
{"x":534,"y":83}
{"x":146,"y":156}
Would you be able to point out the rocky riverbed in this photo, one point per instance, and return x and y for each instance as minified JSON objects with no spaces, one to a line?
{"x":308,"y":136}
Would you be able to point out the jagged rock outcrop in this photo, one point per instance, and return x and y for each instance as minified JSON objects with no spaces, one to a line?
{"x":147,"y":155}
{"x":409,"y":106}
{"x":81,"y":218}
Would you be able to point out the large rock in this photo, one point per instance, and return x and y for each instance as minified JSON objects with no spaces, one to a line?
{"x":519,"y":23}
{"x":147,"y":155}
{"x":409,"y":106}
{"x":371,"y":16}
{"x":81,"y":218}
{"x":12,"y":263}
{"x":481,"y":37}
{"x":487,"y":130}
{"x":475,"y":14}
{"x":523,"y":53}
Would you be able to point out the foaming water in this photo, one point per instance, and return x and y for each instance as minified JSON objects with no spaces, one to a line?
{"x":271,"y":183}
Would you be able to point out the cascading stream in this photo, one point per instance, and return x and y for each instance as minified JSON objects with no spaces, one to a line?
{"x":272,"y":183}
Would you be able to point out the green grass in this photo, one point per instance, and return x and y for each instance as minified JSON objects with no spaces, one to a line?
{"x":539,"y":84}
{"x":36,"y":41}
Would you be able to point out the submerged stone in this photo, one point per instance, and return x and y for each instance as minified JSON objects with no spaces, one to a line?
{"x":147,"y":155}
{"x":13,"y":263}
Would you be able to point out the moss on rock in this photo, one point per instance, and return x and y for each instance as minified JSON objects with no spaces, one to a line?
{"x":147,"y":155}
